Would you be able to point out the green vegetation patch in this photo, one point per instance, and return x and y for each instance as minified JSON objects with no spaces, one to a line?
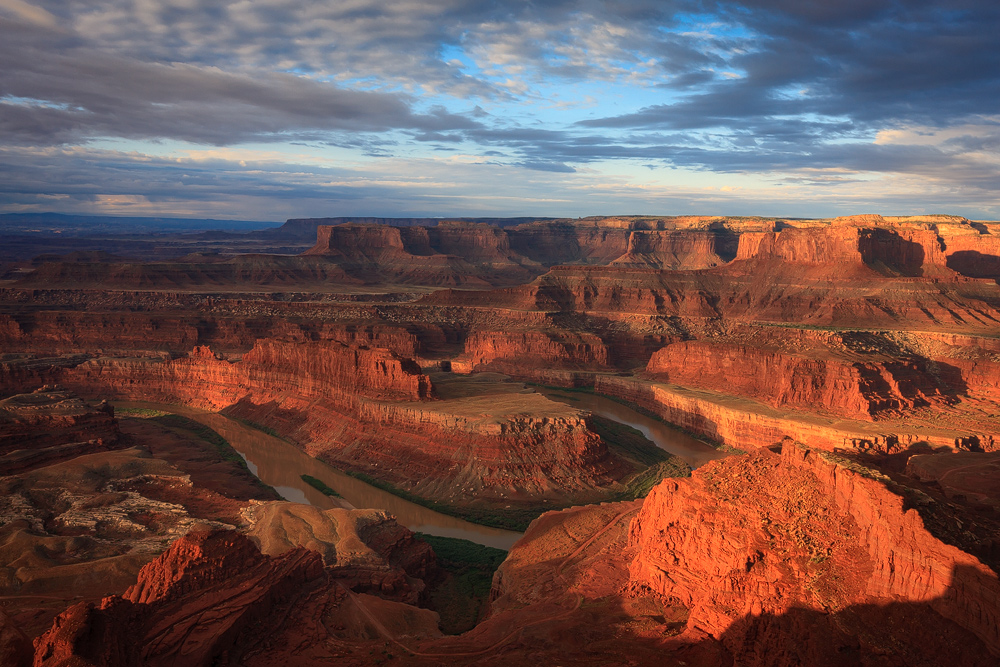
{"x":259,"y":427}
{"x":627,"y":442}
{"x":320,"y":486}
{"x":654,"y":464}
{"x":640,"y":484}
{"x":222,"y":446}
{"x":142,"y":413}
{"x":700,"y":437}
{"x":462,"y":597}
{"x":516,"y":519}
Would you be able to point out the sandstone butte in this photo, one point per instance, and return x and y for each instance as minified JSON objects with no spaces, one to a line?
{"x":399,"y":351}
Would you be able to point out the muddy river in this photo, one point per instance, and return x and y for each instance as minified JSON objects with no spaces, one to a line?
{"x":279,"y":464}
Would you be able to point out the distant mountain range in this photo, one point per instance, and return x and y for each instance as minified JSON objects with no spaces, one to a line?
{"x":88,"y":225}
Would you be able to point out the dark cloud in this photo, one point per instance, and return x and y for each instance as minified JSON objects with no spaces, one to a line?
{"x":871,"y":63}
{"x":787,"y":88}
{"x":57,"y":95}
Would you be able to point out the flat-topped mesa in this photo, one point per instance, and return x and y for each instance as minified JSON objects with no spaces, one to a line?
{"x":473,"y":242}
{"x":540,"y":244}
{"x":357,"y":241}
{"x":451,"y":253}
{"x":851,"y":251}
{"x":756,"y":545}
{"x":854,"y":389}
{"x":936,"y":246}
{"x":678,"y":249}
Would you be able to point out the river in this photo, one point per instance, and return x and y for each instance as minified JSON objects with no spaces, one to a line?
{"x":280,"y":465}
{"x":692,"y":451}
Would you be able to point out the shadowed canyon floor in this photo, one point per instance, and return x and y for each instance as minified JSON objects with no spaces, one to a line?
{"x":763,"y":442}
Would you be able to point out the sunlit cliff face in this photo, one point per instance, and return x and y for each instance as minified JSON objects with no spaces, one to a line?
{"x":259,"y":110}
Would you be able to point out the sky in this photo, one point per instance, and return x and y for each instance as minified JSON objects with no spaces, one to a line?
{"x":275,"y":109}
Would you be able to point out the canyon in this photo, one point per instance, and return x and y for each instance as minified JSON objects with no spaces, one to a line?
{"x":844,"y":373}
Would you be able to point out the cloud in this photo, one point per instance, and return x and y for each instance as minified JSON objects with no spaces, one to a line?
{"x":28,"y":12}
{"x":59,"y":92}
{"x":802,"y":93}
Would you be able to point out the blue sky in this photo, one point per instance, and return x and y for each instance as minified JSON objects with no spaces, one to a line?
{"x":271,"y":109}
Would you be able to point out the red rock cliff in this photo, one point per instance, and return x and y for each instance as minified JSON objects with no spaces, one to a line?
{"x":854,"y":389}
{"x":765,"y":535}
{"x":208,"y":598}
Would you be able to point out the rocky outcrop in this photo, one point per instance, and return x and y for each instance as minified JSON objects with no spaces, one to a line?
{"x":49,"y":425}
{"x":165,"y":615}
{"x":748,"y":540}
{"x":365,"y":549}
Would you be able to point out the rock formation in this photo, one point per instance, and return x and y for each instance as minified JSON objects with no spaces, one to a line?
{"x":767,"y":559}
{"x":397,"y":349}
{"x":50,"y":424}
{"x":213,"y":598}
{"x":748,"y":542}
{"x":161,"y":618}
{"x":366,"y":550}
{"x":851,"y":388}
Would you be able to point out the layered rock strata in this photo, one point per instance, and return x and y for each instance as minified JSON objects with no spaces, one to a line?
{"x":857,"y":389}
{"x":162,"y":617}
{"x":739,"y":422}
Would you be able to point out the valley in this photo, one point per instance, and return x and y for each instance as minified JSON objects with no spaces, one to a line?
{"x":700,"y":440}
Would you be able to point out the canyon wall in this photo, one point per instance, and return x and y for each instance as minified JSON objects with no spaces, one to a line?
{"x":448,"y":254}
{"x":744,"y":424}
{"x":75,"y":331}
{"x":851,"y":388}
{"x":518,"y":352}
